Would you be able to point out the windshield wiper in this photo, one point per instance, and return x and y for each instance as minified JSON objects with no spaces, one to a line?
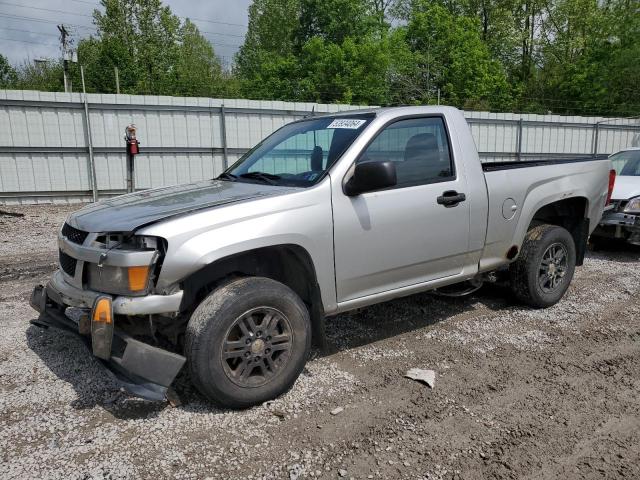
{"x":265,"y":177}
{"x":227,"y":176}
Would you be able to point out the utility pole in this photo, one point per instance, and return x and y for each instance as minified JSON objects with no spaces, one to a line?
{"x":66,"y":56}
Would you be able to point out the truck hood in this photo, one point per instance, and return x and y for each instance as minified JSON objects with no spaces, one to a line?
{"x":129,"y":212}
{"x":626,"y":187}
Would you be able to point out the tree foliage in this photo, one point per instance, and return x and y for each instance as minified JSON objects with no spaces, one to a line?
{"x":46,"y":74}
{"x":324,"y":50}
{"x":567,"y":56}
{"x":154,"y":52}
{"x":449,"y":56}
{"x":8,"y":74}
{"x":591,"y":57}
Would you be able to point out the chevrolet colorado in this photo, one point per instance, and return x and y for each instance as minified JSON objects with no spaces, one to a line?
{"x":233,"y":276}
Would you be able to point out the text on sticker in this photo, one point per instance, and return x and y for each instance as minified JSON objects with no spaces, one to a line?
{"x":346,"y":123}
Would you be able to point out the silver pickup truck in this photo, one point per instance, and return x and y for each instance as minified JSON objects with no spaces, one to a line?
{"x":235,"y":275}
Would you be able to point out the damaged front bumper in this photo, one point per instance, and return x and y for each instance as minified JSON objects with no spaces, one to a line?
{"x":64,"y":293}
{"x":139,"y":368}
{"x":619,"y":225}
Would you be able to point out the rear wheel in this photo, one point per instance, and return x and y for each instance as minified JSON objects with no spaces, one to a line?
{"x":543,"y":271}
{"x":247,"y":342}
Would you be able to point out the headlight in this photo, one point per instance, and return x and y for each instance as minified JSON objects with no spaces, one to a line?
{"x":133,"y":280}
{"x":118,"y":280}
{"x":633,"y":206}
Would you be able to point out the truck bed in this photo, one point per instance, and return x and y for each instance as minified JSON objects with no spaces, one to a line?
{"x":515,"y":195}
{"x":512,"y":164}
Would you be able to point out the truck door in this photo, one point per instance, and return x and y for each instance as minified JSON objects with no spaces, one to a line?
{"x":411,"y":233}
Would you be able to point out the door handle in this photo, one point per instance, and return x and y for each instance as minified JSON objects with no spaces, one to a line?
{"x":451,"y":198}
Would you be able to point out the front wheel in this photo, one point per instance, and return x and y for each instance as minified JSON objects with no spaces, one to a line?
{"x":247,"y":342}
{"x":543,"y":271}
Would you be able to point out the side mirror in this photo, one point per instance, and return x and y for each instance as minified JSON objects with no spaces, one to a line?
{"x":370,"y":176}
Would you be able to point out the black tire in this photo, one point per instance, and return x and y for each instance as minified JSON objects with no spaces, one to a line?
{"x":217,"y":327}
{"x":530,"y":282}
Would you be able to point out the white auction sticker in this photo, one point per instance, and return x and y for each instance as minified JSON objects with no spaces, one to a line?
{"x":347,"y":123}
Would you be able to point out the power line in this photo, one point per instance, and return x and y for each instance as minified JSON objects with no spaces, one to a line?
{"x":87,"y":27}
{"x":223,"y":44}
{"x":21,"y":17}
{"x":42,"y":20}
{"x":91,"y":16}
{"x":213,"y":21}
{"x":190,"y":18}
{"x":223,"y":34}
{"x":29,"y":31}
{"x":52,"y":45}
{"x":26,"y":41}
{"x":51,"y":10}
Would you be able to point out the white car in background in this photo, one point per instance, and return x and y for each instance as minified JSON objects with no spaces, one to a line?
{"x":622,"y":221}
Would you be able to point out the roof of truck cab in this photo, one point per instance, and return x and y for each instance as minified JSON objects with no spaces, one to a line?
{"x":390,"y":111}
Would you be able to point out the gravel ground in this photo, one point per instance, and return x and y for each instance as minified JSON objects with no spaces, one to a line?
{"x":519,"y":393}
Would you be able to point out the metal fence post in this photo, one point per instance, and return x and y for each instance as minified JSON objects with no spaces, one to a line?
{"x":92,"y":164}
{"x":519,"y":140}
{"x":223,"y":134}
{"x":596,"y":134}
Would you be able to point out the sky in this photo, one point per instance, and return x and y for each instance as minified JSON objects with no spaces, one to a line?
{"x":28,"y":27}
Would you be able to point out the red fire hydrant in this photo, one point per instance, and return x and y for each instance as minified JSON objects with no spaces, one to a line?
{"x":133,"y":148}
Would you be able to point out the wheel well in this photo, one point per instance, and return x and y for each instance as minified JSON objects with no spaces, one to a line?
{"x":287,"y":264}
{"x":570,"y":214}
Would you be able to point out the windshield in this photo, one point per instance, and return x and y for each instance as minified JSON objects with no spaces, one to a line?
{"x":627,"y":163}
{"x":299,"y":153}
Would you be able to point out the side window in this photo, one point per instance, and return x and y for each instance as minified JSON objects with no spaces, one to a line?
{"x":418,"y":146}
{"x":300,"y":153}
{"x":618,"y":162}
{"x":627,"y":163}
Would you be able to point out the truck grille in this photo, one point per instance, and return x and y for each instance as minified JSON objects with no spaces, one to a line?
{"x":73,"y":234}
{"x":68,"y":264}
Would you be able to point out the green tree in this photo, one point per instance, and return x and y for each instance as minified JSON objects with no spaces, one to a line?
{"x":265,"y":61}
{"x":335,"y":20}
{"x":272,"y":24}
{"x":590,"y":58}
{"x":197,"y":69}
{"x":8,"y":76}
{"x":507,"y":27}
{"x":154,"y":52}
{"x":44,"y":75}
{"x":315,"y":50}
{"x":446,"y":53}
{"x":350,"y":72}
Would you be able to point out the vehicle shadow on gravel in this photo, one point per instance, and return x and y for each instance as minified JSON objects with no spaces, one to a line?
{"x":397,"y":317}
{"x":70,"y":360}
{"x":616,"y":251}
{"x":400,"y":316}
